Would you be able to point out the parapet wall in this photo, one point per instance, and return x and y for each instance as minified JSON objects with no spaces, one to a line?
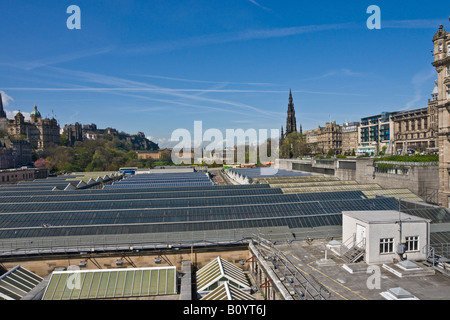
{"x":422,"y":179}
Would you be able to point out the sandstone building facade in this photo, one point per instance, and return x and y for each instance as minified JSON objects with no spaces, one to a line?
{"x":40,"y":132}
{"x":441,"y":41}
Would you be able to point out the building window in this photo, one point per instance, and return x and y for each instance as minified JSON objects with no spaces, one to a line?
{"x":448,"y":92}
{"x":448,"y":70}
{"x":387,"y":245}
{"x":448,"y":49}
{"x":441,"y":48}
{"x":412,"y":243}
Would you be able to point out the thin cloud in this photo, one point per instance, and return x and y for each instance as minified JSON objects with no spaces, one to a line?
{"x":258,"y":5}
{"x":130,"y":85}
{"x":30,"y":65}
{"x":204,"y":81}
{"x":340,"y":72}
{"x":419,"y":80}
{"x":412,"y":24}
{"x":6,"y":98}
{"x":160,"y":90}
{"x":246,"y":35}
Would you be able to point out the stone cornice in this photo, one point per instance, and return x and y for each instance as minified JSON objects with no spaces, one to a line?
{"x":441,"y":62}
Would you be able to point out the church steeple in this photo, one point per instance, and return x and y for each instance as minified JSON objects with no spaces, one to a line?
{"x":2,"y":112}
{"x":291,"y":122}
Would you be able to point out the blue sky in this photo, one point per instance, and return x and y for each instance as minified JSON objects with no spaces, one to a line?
{"x":156,"y":66}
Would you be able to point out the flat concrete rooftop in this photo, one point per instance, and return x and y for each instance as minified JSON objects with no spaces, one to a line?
{"x":387,"y":216}
{"x":309,"y":257}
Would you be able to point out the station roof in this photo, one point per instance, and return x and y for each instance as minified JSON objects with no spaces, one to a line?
{"x":111,"y":283}
{"x":227,"y":291}
{"x":17,"y":282}
{"x":219,"y":270}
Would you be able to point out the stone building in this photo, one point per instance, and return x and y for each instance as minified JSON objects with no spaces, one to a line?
{"x":74,"y":133}
{"x":350,"y":137}
{"x":441,"y":41}
{"x":41,"y":132}
{"x":7,"y":158}
{"x":416,"y":130}
{"x":324,"y":139}
{"x":20,"y":153}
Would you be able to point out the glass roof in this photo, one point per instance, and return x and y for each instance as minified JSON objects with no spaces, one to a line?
{"x":111,"y":283}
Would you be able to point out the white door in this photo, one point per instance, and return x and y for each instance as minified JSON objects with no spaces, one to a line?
{"x":360,"y":235}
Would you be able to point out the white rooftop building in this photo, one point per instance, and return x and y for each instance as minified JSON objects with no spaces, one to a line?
{"x":385,"y":236}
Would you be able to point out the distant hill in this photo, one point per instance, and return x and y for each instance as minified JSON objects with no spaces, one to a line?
{"x":109,"y":151}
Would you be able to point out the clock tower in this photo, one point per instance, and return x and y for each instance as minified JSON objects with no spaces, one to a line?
{"x":441,"y":41}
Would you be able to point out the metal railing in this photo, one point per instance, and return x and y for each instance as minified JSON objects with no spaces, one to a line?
{"x":104,"y":243}
{"x":302,"y":286}
{"x":439,"y":251}
{"x":410,"y":164}
{"x":347,"y":245}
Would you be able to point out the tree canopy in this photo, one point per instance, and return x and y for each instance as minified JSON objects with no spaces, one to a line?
{"x":294,"y":145}
{"x":107,"y":153}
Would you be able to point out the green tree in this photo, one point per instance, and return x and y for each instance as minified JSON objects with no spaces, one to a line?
{"x":294,"y":146}
{"x":330,"y":153}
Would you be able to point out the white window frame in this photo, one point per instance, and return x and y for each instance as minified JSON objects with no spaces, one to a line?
{"x":412,"y":243}
{"x":386,"y":245}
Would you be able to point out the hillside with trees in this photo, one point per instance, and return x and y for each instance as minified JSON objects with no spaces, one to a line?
{"x":107,"y":153}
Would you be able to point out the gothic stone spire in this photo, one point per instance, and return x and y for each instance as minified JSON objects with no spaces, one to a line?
{"x":291,"y":122}
{"x":2,"y":112}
